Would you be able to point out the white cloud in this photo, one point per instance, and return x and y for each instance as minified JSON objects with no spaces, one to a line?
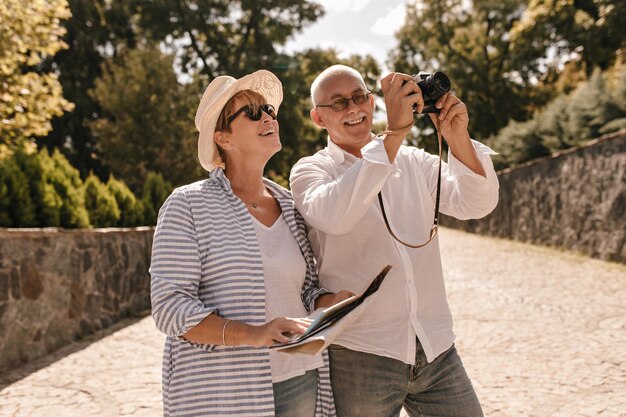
{"x":343,"y":6}
{"x":388,"y":25}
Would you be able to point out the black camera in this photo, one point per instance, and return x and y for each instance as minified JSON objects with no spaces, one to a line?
{"x":433,"y":86}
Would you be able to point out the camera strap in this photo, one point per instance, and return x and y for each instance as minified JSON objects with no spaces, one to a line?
{"x":433,"y":230}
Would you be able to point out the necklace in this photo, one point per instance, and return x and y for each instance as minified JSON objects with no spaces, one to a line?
{"x":253,"y":203}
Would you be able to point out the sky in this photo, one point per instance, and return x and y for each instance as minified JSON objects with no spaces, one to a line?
{"x":354,"y":27}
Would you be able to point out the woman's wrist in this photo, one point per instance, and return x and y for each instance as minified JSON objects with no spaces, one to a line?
{"x":233,"y":333}
{"x":325,"y":300}
{"x":226,"y":323}
{"x":241,"y":334}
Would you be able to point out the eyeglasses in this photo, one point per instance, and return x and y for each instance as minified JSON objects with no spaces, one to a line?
{"x":343,"y":103}
{"x":252,"y":115}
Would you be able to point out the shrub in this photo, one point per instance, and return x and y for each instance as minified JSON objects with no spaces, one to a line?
{"x":155,"y":192}
{"x":36,"y":167}
{"x":131,"y":209}
{"x":39,"y":190}
{"x":592,"y":109}
{"x":100,"y":203}
{"x":66,"y":181}
{"x":16,"y":206}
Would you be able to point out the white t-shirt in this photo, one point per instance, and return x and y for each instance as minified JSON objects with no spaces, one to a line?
{"x":284,"y":269}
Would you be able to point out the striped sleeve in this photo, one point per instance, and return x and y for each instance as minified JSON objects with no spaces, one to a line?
{"x":176,"y":269}
{"x":310,"y":289}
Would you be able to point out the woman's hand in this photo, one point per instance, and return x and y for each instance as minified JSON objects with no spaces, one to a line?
{"x":279,"y":330}
{"x":330,"y":299}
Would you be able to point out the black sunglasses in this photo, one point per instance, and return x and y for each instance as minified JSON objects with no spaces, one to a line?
{"x":252,"y":115}
{"x":343,"y":103}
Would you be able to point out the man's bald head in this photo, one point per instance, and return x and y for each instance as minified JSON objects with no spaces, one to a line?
{"x":318,"y":83}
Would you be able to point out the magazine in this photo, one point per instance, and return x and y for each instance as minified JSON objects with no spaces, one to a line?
{"x":329,"y":322}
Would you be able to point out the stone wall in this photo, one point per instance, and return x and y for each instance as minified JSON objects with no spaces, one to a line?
{"x":59,"y":285}
{"x":572,"y":200}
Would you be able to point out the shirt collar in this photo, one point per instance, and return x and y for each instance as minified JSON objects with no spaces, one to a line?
{"x":338,"y":154}
{"x":281,"y":194}
{"x":335,"y":151}
{"x":218,"y":175}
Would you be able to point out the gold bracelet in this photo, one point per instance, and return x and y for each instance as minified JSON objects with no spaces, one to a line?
{"x":388,"y":131}
{"x":224,"y":332}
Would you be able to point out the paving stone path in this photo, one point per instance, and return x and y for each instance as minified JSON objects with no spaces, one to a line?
{"x":542,"y":333}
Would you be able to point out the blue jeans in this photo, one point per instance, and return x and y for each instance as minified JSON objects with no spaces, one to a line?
{"x":296,"y":397}
{"x":367,"y":385}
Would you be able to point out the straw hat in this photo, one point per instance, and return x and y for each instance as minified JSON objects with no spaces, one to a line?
{"x":215,"y":97}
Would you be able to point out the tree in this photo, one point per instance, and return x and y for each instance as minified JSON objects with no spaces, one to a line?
{"x":214,"y":38}
{"x":299,"y":135}
{"x":470,"y":42}
{"x":146,"y":121}
{"x":220,"y":36}
{"x":30,"y":98}
{"x":617,"y":87}
{"x":97,"y":30}
{"x":569,"y":120}
{"x":590,"y":109}
{"x":591,"y":31}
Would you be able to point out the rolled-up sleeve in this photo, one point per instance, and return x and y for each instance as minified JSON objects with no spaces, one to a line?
{"x":175,"y":270}
{"x":465,"y":194}
{"x":311,"y":290}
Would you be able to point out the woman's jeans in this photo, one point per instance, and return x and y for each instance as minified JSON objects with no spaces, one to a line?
{"x":367,"y":385}
{"x":296,"y":396}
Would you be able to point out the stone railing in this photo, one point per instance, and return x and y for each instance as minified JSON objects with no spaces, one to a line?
{"x":572,"y":200}
{"x":59,"y":285}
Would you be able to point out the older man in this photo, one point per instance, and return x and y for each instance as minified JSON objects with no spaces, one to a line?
{"x":400,"y":352}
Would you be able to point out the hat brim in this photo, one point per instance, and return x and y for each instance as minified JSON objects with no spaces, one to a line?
{"x":263,"y":82}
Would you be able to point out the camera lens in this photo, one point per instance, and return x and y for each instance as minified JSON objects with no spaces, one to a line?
{"x":442,"y":82}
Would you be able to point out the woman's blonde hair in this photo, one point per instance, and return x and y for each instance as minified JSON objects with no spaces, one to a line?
{"x":254,"y":99}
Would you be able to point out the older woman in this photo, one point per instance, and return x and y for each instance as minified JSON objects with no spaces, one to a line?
{"x":232,"y":271}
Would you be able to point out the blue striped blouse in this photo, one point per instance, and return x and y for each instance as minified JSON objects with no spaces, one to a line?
{"x":206,"y":259}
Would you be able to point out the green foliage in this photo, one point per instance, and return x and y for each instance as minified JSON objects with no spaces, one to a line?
{"x":48,"y":203}
{"x":96,"y":31}
{"x":299,"y":135}
{"x":590,"y":108}
{"x":155,"y":192}
{"x":43,"y":191}
{"x":223,"y":36}
{"x":518,"y":142}
{"x":470,"y":42}
{"x":39,"y":190}
{"x":586,"y":113}
{"x":29,"y":97}
{"x":131,"y":209}
{"x":100,"y":203}
{"x":16,"y":206}
{"x":591,"y":30}
{"x":618,"y":88}
{"x":67,"y":183}
{"x":147,"y":118}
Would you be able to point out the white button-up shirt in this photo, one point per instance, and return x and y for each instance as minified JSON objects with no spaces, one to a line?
{"x":336,"y":194}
